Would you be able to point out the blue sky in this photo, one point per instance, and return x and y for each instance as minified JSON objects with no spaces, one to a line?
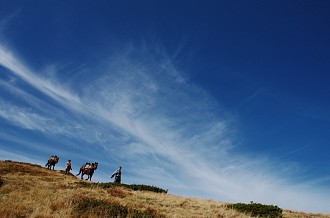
{"x":223,"y":100}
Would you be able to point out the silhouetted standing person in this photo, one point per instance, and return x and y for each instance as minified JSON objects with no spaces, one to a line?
{"x":68,"y":167}
{"x":117,"y":175}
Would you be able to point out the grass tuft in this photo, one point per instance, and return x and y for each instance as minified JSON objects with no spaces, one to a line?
{"x":117,"y":192}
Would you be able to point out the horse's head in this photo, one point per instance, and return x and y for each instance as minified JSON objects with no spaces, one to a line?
{"x":95,"y":165}
{"x":56,"y":159}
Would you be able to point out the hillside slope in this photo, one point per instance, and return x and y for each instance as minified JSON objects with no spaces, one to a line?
{"x":28,"y":190}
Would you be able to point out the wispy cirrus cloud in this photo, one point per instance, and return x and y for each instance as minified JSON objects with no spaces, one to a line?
{"x":50,"y":88}
{"x":165,"y":130}
{"x":23,"y":118}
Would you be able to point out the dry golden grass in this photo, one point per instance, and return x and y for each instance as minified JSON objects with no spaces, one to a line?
{"x":28,"y":190}
{"x":296,"y":214}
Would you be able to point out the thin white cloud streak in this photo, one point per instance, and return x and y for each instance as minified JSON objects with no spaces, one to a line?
{"x":28,"y":120}
{"x":49,"y":124}
{"x":169,"y":126}
{"x":50,"y":88}
{"x":35,"y":114}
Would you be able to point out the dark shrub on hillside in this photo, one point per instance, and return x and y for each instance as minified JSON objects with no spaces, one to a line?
{"x":133,"y":186}
{"x":258,"y":210}
{"x":1,"y":182}
{"x":144,"y":188}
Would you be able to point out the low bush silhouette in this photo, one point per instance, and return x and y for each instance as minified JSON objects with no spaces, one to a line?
{"x":133,"y":186}
{"x":258,"y":210}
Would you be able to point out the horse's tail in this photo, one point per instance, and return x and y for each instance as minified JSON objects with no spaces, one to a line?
{"x":79,"y":172}
{"x":47,"y":164}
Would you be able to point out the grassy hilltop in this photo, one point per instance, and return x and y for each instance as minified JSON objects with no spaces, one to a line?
{"x":28,"y":190}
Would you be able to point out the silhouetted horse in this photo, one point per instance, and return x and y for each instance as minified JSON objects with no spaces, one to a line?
{"x":87,"y":171}
{"x":52,"y":161}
